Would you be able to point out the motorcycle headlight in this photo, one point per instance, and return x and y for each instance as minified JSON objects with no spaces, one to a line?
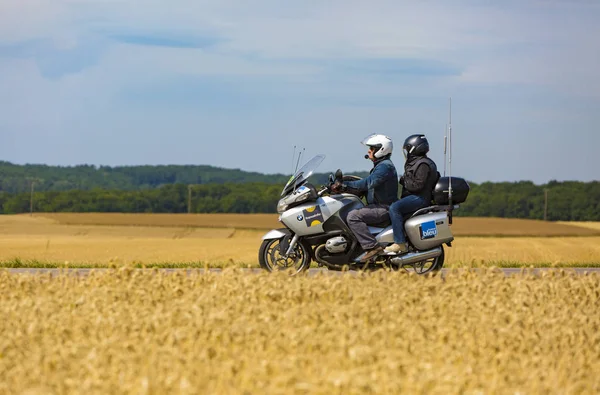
{"x":302,"y":197}
{"x":282,"y":206}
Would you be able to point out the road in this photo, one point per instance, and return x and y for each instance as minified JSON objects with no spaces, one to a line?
{"x":311,"y":272}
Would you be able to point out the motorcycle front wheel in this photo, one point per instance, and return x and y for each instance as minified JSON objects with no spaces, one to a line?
{"x":272,"y":259}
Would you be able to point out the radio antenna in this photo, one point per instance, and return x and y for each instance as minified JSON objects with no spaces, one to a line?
{"x":450,"y":156}
{"x":299,"y":156}
{"x":293,"y":157}
{"x":445,"y":147}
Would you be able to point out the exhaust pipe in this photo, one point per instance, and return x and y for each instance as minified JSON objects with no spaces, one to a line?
{"x":414,"y":257}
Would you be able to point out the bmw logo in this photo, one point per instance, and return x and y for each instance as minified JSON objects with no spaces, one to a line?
{"x":300,"y":217}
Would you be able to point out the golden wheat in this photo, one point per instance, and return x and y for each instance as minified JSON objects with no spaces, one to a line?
{"x":537,"y":251}
{"x":585,"y":224}
{"x":463,"y":226}
{"x":242,"y":250}
{"x":44,"y":240}
{"x":140,"y":332}
{"x":466,"y":226}
{"x":242,"y":221}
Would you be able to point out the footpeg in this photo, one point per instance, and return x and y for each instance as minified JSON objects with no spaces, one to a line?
{"x":359,"y":258}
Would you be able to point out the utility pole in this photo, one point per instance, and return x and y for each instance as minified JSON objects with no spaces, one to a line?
{"x":545,"y":204}
{"x":189,"y":204}
{"x":31,"y":200}
{"x":189,"y":199}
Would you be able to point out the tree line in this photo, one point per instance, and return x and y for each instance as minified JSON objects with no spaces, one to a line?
{"x":19,"y":178}
{"x":566,"y":201}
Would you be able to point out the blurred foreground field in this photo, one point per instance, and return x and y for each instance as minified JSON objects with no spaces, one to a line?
{"x":39,"y":241}
{"x":132,"y":332}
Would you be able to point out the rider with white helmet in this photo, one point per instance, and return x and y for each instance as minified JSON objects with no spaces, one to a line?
{"x":383,"y":145}
{"x":382,"y":190}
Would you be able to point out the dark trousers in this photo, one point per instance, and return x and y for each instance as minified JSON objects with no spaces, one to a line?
{"x":359,"y":221}
{"x":399,"y":209}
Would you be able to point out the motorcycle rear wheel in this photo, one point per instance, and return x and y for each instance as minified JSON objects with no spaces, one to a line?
{"x":432,"y":265}
{"x":271,"y":258}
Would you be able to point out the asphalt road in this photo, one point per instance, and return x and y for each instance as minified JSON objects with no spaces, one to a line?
{"x":311,"y":272}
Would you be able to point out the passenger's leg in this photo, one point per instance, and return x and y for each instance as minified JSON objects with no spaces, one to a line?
{"x":397,"y":211}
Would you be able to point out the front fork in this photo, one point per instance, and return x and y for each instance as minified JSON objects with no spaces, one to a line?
{"x":291,"y":246}
{"x":284,"y":235}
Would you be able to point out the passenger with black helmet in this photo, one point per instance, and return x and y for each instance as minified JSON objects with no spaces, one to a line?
{"x":382,"y":190}
{"x":418,"y":181}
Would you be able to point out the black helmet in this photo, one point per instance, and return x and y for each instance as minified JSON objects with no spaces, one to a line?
{"x":415,"y":145}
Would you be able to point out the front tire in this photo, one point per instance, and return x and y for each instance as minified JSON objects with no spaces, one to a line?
{"x":271,"y":258}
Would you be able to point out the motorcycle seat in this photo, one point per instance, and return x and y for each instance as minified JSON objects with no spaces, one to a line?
{"x":382,"y":224}
{"x":412,"y":213}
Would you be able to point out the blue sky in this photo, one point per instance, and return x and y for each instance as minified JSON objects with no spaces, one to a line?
{"x":238,"y":84}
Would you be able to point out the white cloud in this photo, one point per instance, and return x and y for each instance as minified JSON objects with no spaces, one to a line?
{"x":25,"y":20}
{"x":516,"y":42}
{"x":298,"y":55}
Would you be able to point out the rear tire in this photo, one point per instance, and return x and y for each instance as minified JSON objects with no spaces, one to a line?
{"x":271,"y":258}
{"x":424,"y":267}
{"x":436,"y":264}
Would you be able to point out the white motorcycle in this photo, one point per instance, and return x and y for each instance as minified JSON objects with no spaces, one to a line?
{"x":316,"y":228}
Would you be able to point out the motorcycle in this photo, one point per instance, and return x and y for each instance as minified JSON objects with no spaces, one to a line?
{"x":315,"y":228}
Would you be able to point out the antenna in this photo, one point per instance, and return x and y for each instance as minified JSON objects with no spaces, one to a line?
{"x":293,"y":157}
{"x":450,"y":160}
{"x":445,"y":147}
{"x":450,"y":151}
{"x":298,"y":162}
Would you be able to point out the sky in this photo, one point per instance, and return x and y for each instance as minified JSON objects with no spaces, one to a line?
{"x":238,"y":84}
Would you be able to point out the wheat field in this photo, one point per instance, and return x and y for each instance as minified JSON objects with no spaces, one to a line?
{"x":585,"y":224}
{"x":140,"y":332}
{"x":462,"y":226}
{"x":45,"y":240}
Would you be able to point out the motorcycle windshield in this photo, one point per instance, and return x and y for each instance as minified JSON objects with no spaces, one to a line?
{"x":302,"y":174}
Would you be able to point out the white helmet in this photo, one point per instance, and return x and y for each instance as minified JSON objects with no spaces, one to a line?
{"x":384,"y":143}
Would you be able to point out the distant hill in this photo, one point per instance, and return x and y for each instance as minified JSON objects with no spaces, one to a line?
{"x":164,"y":189}
{"x":17,"y":178}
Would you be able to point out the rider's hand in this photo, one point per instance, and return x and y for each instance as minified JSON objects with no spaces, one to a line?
{"x":402,"y":180}
{"x":337,"y":187}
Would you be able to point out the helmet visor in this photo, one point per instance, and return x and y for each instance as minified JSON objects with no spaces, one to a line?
{"x":368,"y":139}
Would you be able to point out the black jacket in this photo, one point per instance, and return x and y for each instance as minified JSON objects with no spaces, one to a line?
{"x":420,"y":177}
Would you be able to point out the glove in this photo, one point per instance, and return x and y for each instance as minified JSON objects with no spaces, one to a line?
{"x":402,"y":180}
{"x":337,"y":187}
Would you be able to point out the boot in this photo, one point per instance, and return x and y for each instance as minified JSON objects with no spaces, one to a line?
{"x":397,"y":248}
{"x":372,"y":253}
